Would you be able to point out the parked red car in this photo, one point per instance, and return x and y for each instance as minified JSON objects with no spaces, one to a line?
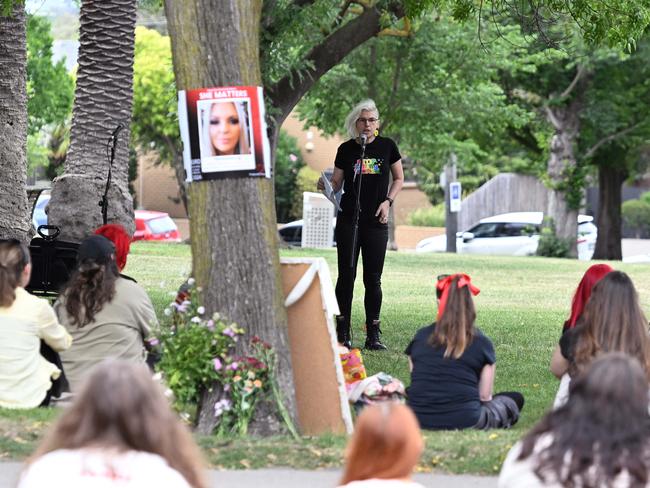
{"x":155,"y":226}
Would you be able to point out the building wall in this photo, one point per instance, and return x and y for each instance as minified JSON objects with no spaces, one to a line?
{"x":156,"y":187}
{"x":318,"y":151}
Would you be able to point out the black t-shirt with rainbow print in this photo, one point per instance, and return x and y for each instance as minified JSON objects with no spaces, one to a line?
{"x":380,"y":154}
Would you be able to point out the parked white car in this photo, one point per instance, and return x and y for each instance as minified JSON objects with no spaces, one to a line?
{"x":510,"y":234}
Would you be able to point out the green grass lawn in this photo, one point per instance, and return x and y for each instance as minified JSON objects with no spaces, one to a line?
{"x":521,"y":307}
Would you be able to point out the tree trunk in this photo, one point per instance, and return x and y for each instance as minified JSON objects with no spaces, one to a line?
{"x":233,"y":223}
{"x":103,"y":99}
{"x":608,"y":243}
{"x":14,"y":214}
{"x":566,"y":122}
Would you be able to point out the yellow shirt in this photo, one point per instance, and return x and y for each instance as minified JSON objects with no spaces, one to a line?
{"x":25,"y":376}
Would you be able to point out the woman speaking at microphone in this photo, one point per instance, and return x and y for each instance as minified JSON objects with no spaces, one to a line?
{"x":363,"y":167}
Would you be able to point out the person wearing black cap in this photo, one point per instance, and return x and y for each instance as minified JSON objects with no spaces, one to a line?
{"x":107,"y":315}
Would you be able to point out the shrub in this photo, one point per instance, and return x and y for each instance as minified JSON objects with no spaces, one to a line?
{"x":288,"y":162}
{"x":550,"y":245}
{"x":428,"y":217}
{"x":636,"y":214}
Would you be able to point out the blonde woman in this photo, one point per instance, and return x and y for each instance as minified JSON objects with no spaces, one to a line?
{"x":225,"y":129}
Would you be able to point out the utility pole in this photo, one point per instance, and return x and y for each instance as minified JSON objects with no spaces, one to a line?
{"x":451,"y":217}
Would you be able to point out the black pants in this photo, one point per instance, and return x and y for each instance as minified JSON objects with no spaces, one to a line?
{"x":372,"y":240}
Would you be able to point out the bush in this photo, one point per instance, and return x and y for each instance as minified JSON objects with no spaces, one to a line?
{"x":636,"y":214}
{"x":428,"y":217}
{"x":550,"y":245}
{"x":288,"y":162}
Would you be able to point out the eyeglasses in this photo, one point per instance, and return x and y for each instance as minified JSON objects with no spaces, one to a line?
{"x":363,"y":120}
{"x":441,"y":277}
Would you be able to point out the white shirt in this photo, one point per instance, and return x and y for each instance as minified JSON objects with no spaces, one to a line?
{"x":96,"y":468}
{"x":521,"y":473}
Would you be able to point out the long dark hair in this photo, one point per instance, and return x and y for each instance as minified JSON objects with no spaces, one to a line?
{"x":14,"y":256}
{"x":455,"y":328}
{"x":121,"y":408}
{"x":91,"y":286}
{"x":602,"y":430}
{"x":612,"y":321}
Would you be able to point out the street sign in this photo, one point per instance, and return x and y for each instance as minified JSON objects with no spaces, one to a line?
{"x":454,"y":196}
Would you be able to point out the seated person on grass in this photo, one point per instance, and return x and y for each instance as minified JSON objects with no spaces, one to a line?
{"x":107,"y":315}
{"x":453,"y":366}
{"x":120,"y":432}
{"x":600,"y":437}
{"x":612,"y":322}
{"x":593,"y":275}
{"x":25,"y":375}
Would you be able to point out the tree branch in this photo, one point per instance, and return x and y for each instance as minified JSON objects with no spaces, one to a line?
{"x":552,"y":118}
{"x":287,"y":92}
{"x":574,"y":82}
{"x":609,"y":138}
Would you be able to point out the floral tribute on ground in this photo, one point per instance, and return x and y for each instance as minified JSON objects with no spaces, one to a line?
{"x":197,"y":353}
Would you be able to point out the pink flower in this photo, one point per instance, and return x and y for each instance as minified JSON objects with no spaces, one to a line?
{"x":210,"y":325}
{"x":229,"y":332}
{"x":234,"y":365}
{"x":217,"y":364}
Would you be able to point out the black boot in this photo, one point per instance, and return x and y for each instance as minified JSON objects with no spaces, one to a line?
{"x":372,"y":338}
{"x":343,"y":331}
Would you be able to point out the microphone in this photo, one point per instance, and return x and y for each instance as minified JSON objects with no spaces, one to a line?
{"x":363,"y":138}
{"x":117,"y":130}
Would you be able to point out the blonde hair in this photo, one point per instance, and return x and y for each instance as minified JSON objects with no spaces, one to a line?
{"x":243,"y":146}
{"x":121,"y":408}
{"x":387,"y":444}
{"x":351,"y":120}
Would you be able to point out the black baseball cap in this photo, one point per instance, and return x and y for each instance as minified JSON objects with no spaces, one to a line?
{"x":97,"y":249}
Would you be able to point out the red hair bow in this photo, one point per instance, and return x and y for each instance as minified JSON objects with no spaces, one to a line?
{"x":444,"y":284}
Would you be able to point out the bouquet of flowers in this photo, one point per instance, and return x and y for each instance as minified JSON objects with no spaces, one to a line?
{"x":197,"y":352}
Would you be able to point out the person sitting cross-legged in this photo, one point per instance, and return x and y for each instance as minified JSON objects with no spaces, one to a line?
{"x":107,"y":315}
{"x":453,"y":366}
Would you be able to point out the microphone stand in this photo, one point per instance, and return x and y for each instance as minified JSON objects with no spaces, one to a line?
{"x":357,"y":207}
{"x":103,"y":203}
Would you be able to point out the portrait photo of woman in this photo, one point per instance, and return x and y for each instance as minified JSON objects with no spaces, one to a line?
{"x":225,"y":129}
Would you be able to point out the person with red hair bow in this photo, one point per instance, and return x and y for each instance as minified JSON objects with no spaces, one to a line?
{"x":453,"y":366}
{"x":120,"y":238}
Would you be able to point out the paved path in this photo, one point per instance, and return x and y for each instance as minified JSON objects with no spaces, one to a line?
{"x":283,"y":478}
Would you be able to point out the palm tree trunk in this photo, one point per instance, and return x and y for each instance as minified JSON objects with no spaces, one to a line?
{"x":14,"y":213}
{"x":103,"y":100}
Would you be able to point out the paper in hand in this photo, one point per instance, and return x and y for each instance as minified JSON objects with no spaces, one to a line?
{"x":328,"y":191}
